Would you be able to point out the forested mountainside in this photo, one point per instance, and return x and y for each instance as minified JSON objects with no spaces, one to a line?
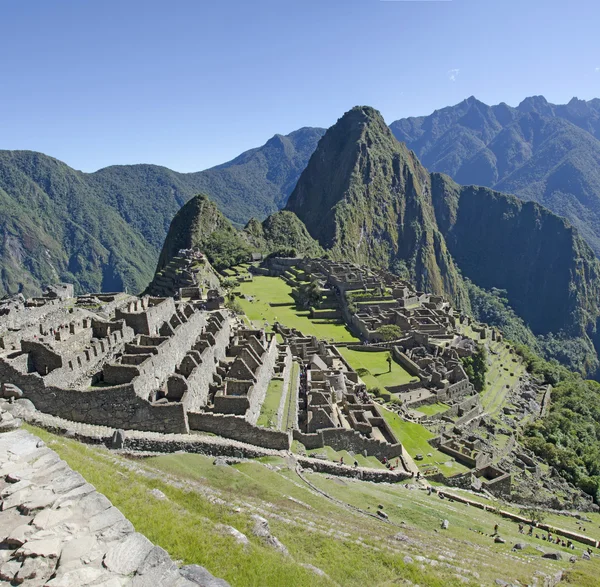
{"x":104,"y":230}
{"x":201,"y":225}
{"x":378,"y":205}
{"x":538,"y":151}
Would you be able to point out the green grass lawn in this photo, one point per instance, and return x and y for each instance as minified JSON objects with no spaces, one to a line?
{"x":414,"y":438}
{"x":432,"y":409}
{"x":378,"y":369}
{"x":287,"y":421}
{"x":272,"y":289}
{"x":268,"y":411}
{"x":499,"y":376}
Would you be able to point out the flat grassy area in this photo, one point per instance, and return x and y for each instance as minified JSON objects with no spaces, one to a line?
{"x":268,"y":411}
{"x":351,"y":548}
{"x":287,"y":422}
{"x":376,"y":365}
{"x":266,"y":290}
{"x":414,"y":438}
{"x":432,"y":409}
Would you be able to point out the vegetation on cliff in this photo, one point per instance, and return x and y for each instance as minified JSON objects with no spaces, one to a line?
{"x":539,"y":151}
{"x":201,"y":225}
{"x":367,"y":198}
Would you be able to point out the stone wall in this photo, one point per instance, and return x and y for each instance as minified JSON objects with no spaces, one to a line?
{"x":263,"y":377}
{"x":154,"y":371}
{"x":199,"y":380}
{"x":148,"y":321}
{"x":86,"y":361}
{"x":410,"y":366}
{"x":350,"y":440}
{"x":469,"y":415}
{"x":237,"y":428}
{"x":374,"y":475}
{"x":119,"y":407}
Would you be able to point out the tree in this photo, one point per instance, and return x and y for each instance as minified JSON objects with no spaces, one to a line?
{"x":389,"y":332}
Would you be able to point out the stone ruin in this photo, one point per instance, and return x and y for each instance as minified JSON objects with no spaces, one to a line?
{"x":334,"y":408}
{"x":140,"y":363}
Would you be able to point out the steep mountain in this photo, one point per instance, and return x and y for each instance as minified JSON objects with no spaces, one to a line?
{"x":367,"y":198}
{"x":538,"y":151}
{"x":104,"y":230}
{"x":201,"y":225}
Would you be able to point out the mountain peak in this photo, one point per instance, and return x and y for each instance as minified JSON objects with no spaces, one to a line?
{"x":537,"y":104}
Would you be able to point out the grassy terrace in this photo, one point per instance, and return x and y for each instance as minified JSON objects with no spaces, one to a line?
{"x":268,"y":412}
{"x":352,"y":549}
{"x":498,"y":377}
{"x":414,"y":438}
{"x":432,"y":409}
{"x":265,"y":290}
{"x":287,"y":421}
{"x":377,"y":368}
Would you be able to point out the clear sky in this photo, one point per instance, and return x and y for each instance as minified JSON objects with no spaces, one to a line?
{"x":193,"y":83}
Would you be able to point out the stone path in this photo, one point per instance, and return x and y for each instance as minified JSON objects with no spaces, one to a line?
{"x":56,"y":530}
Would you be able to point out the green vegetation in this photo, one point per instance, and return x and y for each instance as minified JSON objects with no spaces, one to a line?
{"x":268,"y":292}
{"x":373,"y":368}
{"x":538,"y":151}
{"x":432,"y":409}
{"x":268,"y":411}
{"x":568,"y":438}
{"x":104,"y":230}
{"x":476,"y":367}
{"x":458,"y":232}
{"x":287,"y":421}
{"x":414,"y":439}
{"x":353,"y":549}
{"x":389,"y":332}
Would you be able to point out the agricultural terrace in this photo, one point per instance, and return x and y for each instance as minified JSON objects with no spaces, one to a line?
{"x":271,"y":302}
{"x":413,"y":438}
{"x":504,"y":369}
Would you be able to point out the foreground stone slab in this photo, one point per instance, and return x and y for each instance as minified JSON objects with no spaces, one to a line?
{"x":56,"y":530}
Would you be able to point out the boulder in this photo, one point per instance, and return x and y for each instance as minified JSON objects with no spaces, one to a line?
{"x":125,"y":557}
{"x":555,"y":556}
{"x":200,"y":576}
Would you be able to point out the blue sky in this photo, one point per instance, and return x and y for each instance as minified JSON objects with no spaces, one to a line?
{"x":193,"y":83}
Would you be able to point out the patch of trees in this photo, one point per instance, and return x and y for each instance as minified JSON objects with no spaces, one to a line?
{"x":389,"y":332}
{"x":476,"y":367}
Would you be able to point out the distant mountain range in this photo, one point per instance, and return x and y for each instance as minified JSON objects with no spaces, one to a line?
{"x":104,"y":230}
{"x":538,"y":151}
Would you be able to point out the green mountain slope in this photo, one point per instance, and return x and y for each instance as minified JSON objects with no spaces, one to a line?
{"x":539,"y":151}
{"x":367,"y":198}
{"x":201,"y":225}
{"x":104,"y":230}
